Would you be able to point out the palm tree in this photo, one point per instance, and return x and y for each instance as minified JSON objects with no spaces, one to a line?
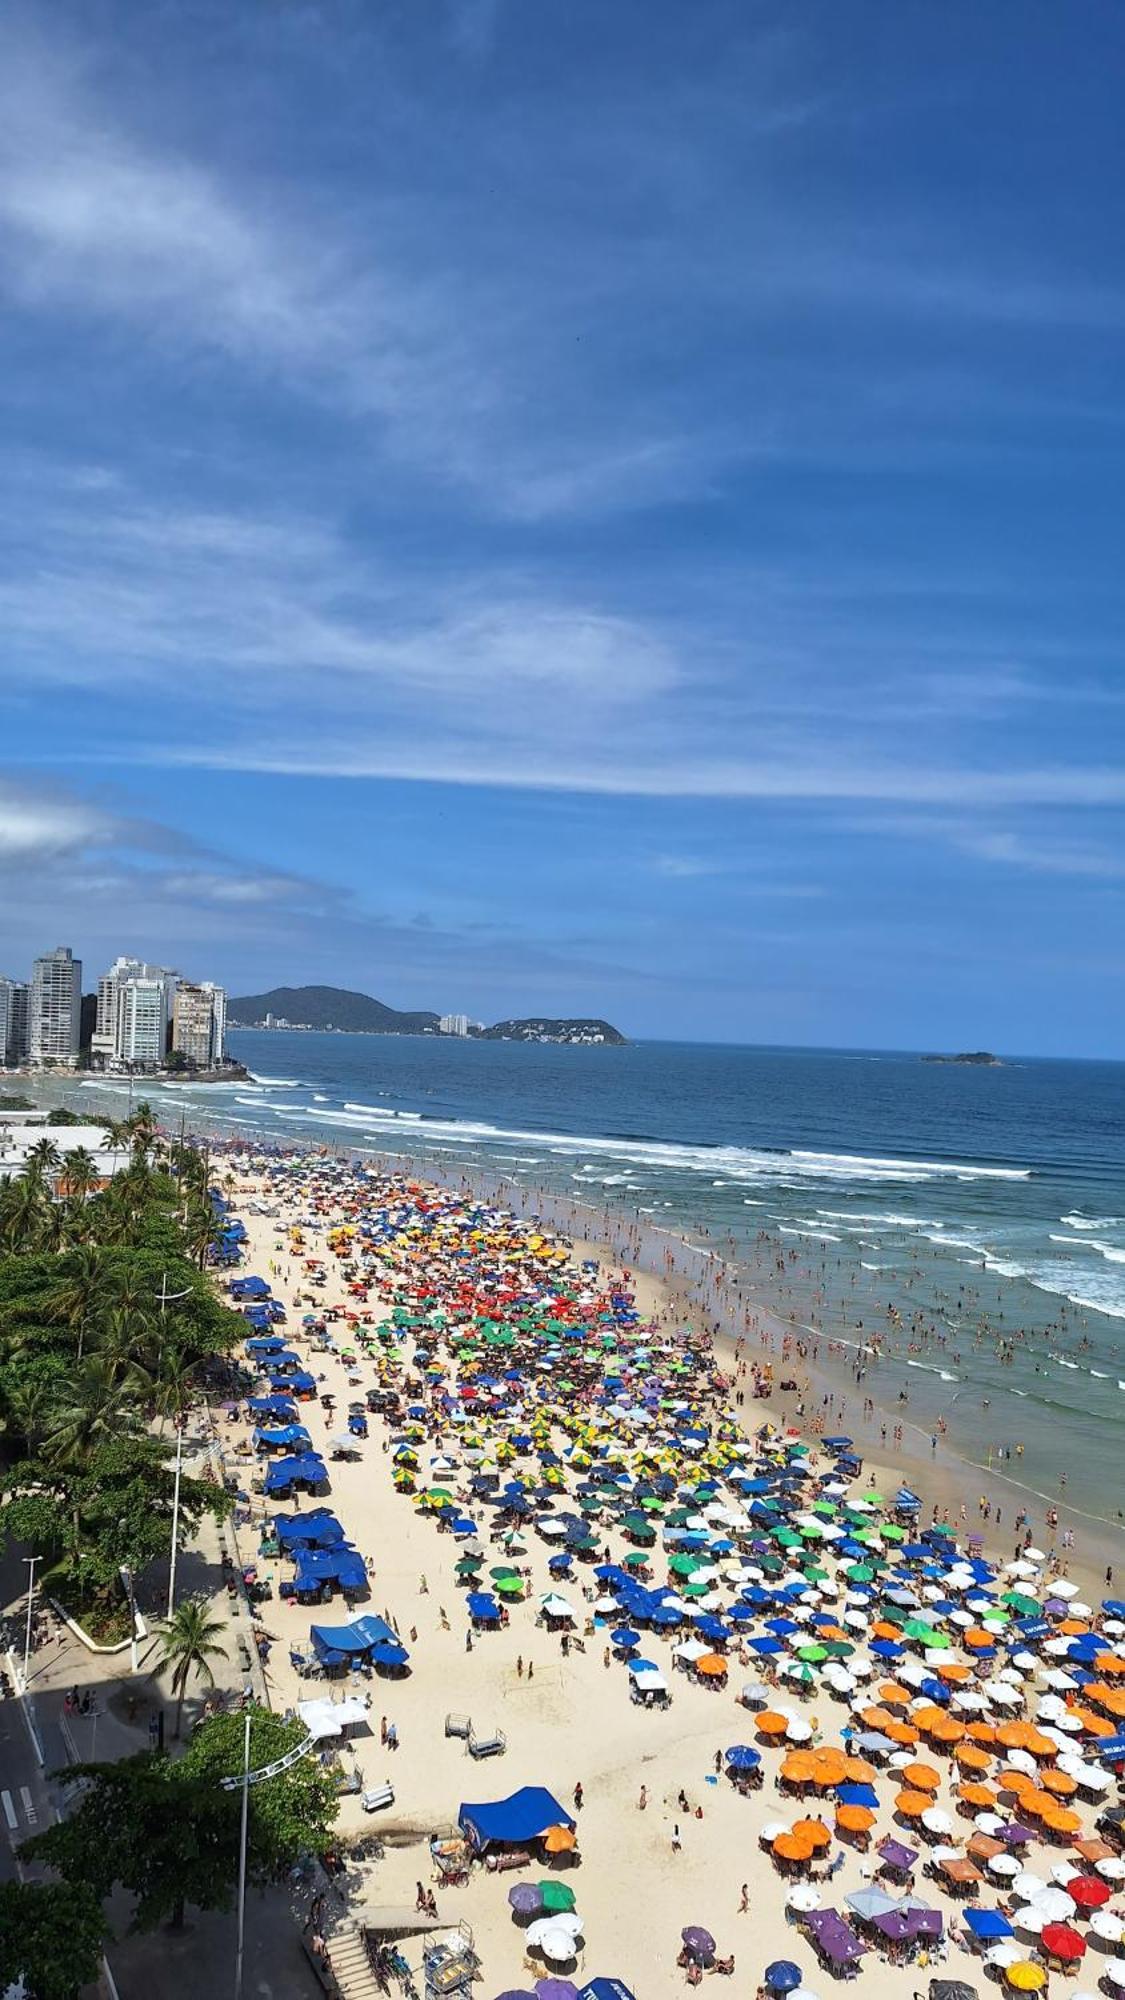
{"x":81,"y":1173}
{"x":190,"y":1643}
{"x":200,"y":1232}
{"x":91,"y":1411}
{"x":74,"y":1300}
{"x":23,"y":1211}
{"x":43,"y":1160}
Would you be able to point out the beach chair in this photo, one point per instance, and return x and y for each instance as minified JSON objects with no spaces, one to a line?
{"x":378,"y":1797}
{"x":493,"y":1745}
{"x":459,"y":1725}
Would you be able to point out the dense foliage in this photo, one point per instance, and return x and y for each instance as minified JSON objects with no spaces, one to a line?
{"x":50,"y":1936}
{"x":106,"y":1323}
{"x":167,"y":1831}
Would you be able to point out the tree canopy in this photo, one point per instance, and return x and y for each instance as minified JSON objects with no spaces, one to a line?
{"x":50,"y":1934}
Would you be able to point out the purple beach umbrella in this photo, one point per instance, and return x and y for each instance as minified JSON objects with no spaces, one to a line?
{"x":525,"y":1899}
{"x":556,"y":1989}
{"x":698,"y":1942}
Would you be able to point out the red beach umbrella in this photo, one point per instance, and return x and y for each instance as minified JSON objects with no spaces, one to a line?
{"x":1088,"y":1892}
{"x":1060,"y":1941}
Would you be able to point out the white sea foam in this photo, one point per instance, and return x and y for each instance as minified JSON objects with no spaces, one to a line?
{"x":887,"y":1221}
{"x":872,"y":1166}
{"x":277,"y":1082}
{"x":822,"y":1235}
{"x":1091,"y":1221}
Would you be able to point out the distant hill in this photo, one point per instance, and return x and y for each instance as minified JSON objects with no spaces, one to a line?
{"x":573,"y":1032}
{"x":328,"y":1007}
{"x":347,"y":1013}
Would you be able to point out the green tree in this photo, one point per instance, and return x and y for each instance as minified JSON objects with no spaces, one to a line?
{"x":188,"y":1645}
{"x":51,"y":1935}
{"x":168,"y":1831}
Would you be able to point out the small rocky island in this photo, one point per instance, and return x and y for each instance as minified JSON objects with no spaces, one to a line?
{"x":977,"y":1058}
{"x":571,"y":1033}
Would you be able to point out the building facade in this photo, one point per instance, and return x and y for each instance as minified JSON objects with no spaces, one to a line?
{"x":55,"y":1007}
{"x":15,"y":995}
{"x":199,"y":1023}
{"x":134,"y":1012}
{"x":453,"y":1024}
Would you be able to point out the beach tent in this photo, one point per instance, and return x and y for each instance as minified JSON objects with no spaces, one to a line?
{"x":514,"y":1821}
{"x":307,"y":1470}
{"x":339,"y":1565}
{"x":317,"y":1529}
{"x":605,"y":1989}
{"x":283,"y":1438}
{"x":362,"y":1636}
{"x":249,"y":1288}
{"x":326,"y":1718}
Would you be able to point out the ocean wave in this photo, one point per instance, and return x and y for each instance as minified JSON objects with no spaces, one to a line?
{"x":821,"y":1235}
{"x":1092,"y":1221}
{"x":1112,"y":1252}
{"x":277,"y":1082}
{"x":872,"y":1164}
{"x":888,"y":1221}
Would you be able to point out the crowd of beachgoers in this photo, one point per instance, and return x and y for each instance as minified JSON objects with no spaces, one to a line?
{"x":720,"y":1694}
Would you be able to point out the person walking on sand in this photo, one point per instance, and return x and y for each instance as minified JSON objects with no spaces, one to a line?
{"x":744,"y":1901}
{"x":642,"y":1798}
{"x":519,"y":1666}
{"x":677,"y":1843}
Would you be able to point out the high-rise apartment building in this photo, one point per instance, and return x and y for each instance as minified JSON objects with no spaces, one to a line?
{"x":14,"y":996}
{"x":55,"y":1007}
{"x":199,"y":1023}
{"x":134,"y":1010}
{"x":144,"y":1009}
{"x":453,"y":1024}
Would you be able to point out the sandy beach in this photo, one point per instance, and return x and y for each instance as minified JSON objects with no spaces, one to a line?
{"x":646,"y":1873}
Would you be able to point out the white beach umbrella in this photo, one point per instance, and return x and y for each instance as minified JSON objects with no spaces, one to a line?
{"x":1107,"y":1926}
{"x":1020,"y":1567}
{"x":1062,"y":1587}
{"x":798,"y":1730}
{"x":804,"y":1993}
{"x":988,"y":1822}
{"x":936,"y":1820}
{"x":1064,"y":1872}
{"x":1022,"y":1760}
{"x":802,"y":1896}
{"x":1112,"y":1869}
{"x":1034,"y":1555}
{"x":1027,"y":1884}
{"x":1003,"y":1955}
{"x":557,"y":1946}
{"x":1024,"y":1662}
{"x":1114,"y":1971}
{"x":1003,"y":1865}
{"x":1054,"y":1905}
{"x":1030,"y":1919}
{"x":754,"y":1695}
{"x":772,"y":1828}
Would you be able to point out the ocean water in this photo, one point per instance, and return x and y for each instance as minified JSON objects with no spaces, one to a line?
{"x":971,"y":1222}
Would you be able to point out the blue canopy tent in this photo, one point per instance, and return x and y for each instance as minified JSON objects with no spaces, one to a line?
{"x":317,"y":1529}
{"x":987,"y":1924}
{"x":298,"y":1381}
{"x":282,"y":1439}
{"x":514,"y":1821}
{"x":339,"y":1565}
{"x":278,"y":1407}
{"x":249,"y":1288}
{"x":307,"y":1470}
{"x":361,"y":1639}
{"x":266,"y":1343}
{"x":605,"y":1989}
{"x":482,"y":1608}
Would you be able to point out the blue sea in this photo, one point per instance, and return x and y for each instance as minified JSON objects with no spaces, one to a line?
{"x":969,"y":1220}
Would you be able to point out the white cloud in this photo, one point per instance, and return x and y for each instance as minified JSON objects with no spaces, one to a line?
{"x":1045,"y":856}
{"x":36,"y":825}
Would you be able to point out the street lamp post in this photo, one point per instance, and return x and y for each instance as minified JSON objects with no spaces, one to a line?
{"x":242,"y":1860}
{"x":31,"y":1561}
{"x":165,"y":1298}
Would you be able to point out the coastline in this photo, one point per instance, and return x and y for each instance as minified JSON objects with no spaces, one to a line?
{"x":735,"y":1303}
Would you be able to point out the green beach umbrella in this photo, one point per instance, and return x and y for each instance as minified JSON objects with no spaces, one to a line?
{"x":1024,"y":1607}
{"x":556,"y":1896}
{"x":813,"y":1654}
{"x":860,"y":1573}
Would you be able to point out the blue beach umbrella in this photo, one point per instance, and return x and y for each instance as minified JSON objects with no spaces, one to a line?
{"x":783,"y":1976}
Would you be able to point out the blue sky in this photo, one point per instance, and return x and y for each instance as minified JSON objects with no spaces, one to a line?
{"x":579,"y":508}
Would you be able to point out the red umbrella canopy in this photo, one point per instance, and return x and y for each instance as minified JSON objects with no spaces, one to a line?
{"x":1088,"y":1892}
{"x":1062,"y":1942}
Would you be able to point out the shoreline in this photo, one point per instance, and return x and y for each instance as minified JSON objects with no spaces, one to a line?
{"x":735,"y":1304}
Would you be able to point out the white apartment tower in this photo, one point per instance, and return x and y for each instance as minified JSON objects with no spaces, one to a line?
{"x":14,"y":997}
{"x":144,"y":1007}
{"x":199,"y":1023}
{"x":55,"y":1007}
{"x":453,"y":1024}
{"x":134,"y":1009}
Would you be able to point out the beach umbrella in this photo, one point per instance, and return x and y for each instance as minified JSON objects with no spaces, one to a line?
{"x":556,"y":1945}
{"x":782,"y":1976}
{"x":698,"y":1943}
{"x":1061,"y":1941}
{"x":1088,"y":1892}
{"x":556,"y":1989}
{"x":1026,"y":1977}
{"x":525,"y":1899}
{"x":555,"y":1896}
